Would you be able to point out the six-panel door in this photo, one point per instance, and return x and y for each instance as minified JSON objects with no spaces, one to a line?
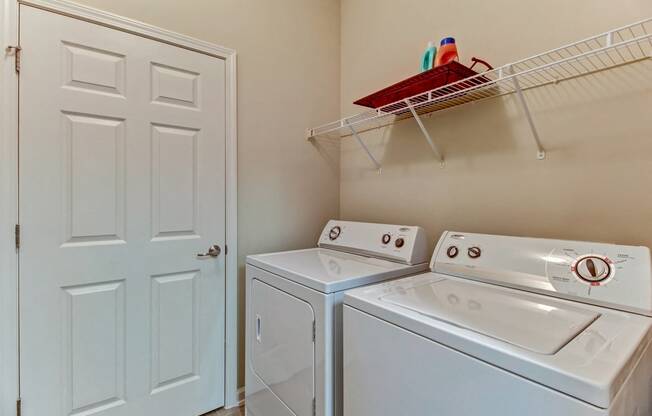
{"x":122,"y":183}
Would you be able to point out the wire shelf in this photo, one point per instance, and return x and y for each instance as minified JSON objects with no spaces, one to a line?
{"x":617,"y":47}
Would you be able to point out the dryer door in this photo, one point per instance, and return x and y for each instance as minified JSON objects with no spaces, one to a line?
{"x":283,"y":347}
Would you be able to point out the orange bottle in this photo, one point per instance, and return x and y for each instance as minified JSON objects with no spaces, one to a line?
{"x":447,"y":52}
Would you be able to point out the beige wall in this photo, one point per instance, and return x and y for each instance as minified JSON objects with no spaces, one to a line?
{"x":596,"y":182}
{"x":288,"y":78}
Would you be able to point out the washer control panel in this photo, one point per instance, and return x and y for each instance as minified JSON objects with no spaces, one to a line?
{"x":402,"y":243}
{"x":609,"y":275}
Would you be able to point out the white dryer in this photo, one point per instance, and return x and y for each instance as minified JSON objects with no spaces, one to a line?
{"x":505,"y":326}
{"x":294,"y":312}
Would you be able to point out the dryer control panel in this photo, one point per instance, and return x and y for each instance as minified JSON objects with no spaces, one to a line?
{"x":609,"y":275}
{"x":400,"y":243}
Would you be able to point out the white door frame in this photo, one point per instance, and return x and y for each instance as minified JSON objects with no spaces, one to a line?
{"x":8,"y":211}
{"x":9,"y":352}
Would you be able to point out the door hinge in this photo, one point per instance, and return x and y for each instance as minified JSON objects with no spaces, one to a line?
{"x":17,"y":236}
{"x":19,"y":407}
{"x":15,"y":50}
{"x":314,"y":331}
{"x":314,"y":406}
{"x":226,"y":249}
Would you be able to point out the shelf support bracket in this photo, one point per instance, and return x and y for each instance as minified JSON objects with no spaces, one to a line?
{"x":432,"y":144}
{"x":541,"y":153}
{"x":364,"y":146}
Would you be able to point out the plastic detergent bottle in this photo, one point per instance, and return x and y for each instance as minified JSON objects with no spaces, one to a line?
{"x":447,"y":52}
{"x":429,"y":57}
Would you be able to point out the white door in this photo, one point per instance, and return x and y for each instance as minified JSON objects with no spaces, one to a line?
{"x":122,"y":183}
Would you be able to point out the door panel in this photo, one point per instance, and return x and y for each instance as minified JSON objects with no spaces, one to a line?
{"x":93,"y":178}
{"x":93,"y":69}
{"x":95,"y":331}
{"x":174,"y":178}
{"x":175,"y":342}
{"x":174,"y":86}
{"x":121,"y":185}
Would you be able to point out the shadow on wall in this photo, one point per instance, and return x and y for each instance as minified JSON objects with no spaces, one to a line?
{"x":598,"y":139}
{"x":497,"y":125}
{"x":459,"y":133}
{"x":328,"y":148}
{"x":574,"y":109}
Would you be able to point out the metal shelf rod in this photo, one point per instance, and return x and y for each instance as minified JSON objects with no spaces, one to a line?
{"x":364,"y":146}
{"x":432,"y":144}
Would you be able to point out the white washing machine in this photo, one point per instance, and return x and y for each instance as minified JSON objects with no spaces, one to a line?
{"x":294,"y":312}
{"x":505,"y":326}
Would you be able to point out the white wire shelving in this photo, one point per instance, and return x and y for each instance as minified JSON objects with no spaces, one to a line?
{"x":621,"y":46}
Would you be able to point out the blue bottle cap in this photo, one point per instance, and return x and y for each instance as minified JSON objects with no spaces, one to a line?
{"x":447,"y":41}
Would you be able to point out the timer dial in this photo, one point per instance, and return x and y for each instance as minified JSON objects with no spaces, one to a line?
{"x":399,"y":242}
{"x":386,"y":238}
{"x":452,"y":252}
{"x":592,"y":269}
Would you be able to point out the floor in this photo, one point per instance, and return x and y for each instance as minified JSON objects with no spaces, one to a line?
{"x":239,"y":411}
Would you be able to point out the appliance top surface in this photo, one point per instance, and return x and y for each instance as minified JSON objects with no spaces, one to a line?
{"x":329,"y":271}
{"x":582,"y":350}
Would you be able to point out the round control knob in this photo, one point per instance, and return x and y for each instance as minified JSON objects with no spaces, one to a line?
{"x":592,"y":269}
{"x":452,"y":252}
{"x":334,"y":232}
{"x":399,"y":242}
{"x":474,"y":252}
{"x":387,"y":238}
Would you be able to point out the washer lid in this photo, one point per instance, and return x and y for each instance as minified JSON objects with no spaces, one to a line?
{"x":540,"y":325}
{"x":330,"y":271}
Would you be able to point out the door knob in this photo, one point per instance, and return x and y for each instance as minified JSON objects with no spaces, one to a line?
{"x":213,"y":251}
